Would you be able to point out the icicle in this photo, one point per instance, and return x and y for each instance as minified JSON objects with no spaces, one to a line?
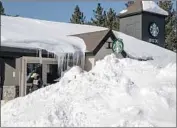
{"x":83,"y":60}
{"x":68,"y":62}
{"x":48,"y":53}
{"x":77,"y":58}
{"x":72,"y":59}
{"x":61,"y":63}
{"x":37,"y":53}
{"x":40,"y":56}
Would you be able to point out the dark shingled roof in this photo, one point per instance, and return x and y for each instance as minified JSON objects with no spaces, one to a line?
{"x":95,"y":40}
{"x":92,"y":39}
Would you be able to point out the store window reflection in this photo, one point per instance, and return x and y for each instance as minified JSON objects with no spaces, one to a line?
{"x":52,"y":73}
{"x":33,"y":68}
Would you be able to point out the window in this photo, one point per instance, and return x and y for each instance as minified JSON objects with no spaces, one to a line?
{"x":31,"y":68}
{"x":53,"y":73}
{"x":109,"y":45}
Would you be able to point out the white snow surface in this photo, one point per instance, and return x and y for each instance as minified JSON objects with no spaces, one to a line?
{"x":141,"y":49}
{"x":151,"y":6}
{"x":54,"y":37}
{"x":51,"y":36}
{"x":126,"y":93}
{"x":123,"y":11}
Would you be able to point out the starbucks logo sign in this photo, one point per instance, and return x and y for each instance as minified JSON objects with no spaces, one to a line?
{"x":118,"y":46}
{"x":154,"y":29}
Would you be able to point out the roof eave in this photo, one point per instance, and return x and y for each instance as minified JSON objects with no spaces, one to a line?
{"x":155,"y":13}
{"x":130,"y":14}
{"x":140,"y":12}
{"x":109,"y":34}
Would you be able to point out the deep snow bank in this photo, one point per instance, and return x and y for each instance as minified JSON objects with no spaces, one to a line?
{"x":116,"y":92}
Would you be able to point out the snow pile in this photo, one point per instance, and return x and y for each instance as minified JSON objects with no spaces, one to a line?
{"x":126,"y":93}
{"x":151,"y":6}
{"x":169,"y":70}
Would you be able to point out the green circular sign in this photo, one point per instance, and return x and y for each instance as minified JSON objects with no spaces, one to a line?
{"x":118,"y":46}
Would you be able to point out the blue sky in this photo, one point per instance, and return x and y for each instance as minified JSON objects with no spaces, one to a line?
{"x":57,"y":10}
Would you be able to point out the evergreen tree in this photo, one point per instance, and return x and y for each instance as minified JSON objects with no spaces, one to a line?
{"x":78,"y":16}
{"x":105,"y":19}
{"x":129,"y":3}
{"x":2,"y":8}
{"x":170,"y":25}
{"x":88,"y":23}
{"x":112,"y":21}
{"x":99,"y":16}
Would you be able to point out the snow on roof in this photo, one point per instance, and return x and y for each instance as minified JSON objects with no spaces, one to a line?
{"x":33,"y":33}
{"x":151,"y":6}
{"x":53,"y":36}
{"x":146,"y":6}
{"x":123,"y":11}
{"x":141,"y":49}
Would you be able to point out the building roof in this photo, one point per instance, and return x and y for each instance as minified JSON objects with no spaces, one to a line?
{"x":95,"y":40}
{"x":140,"y":6}
{"x":26,"y":33}
{"x":52,"y":36}
{"x":92,"y":39}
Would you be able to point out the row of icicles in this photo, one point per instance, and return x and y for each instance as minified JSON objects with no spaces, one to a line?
{"x":66,"y":60}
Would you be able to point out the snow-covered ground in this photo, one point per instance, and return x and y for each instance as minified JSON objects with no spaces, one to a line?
{"x":126,"y":93}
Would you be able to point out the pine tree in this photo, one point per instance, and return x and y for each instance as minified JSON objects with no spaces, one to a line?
{"x":99,"y":16}
{"x":2,"y":8}
{"x":88,"y":23}
{"x":170,"y":25}
{"x":129,"y":3}
{"x":112,"y":20}
{"x":78,"y":16}
{"x":105,"y":19}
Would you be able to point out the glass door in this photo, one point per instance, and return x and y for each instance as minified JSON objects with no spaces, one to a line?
{"x":32,"y":68}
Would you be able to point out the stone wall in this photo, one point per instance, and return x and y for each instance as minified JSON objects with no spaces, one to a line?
{"x":10,"y":92}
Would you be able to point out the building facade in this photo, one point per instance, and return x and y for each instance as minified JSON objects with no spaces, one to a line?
{"x":147,"y":25}
{"x":16,"y":64}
